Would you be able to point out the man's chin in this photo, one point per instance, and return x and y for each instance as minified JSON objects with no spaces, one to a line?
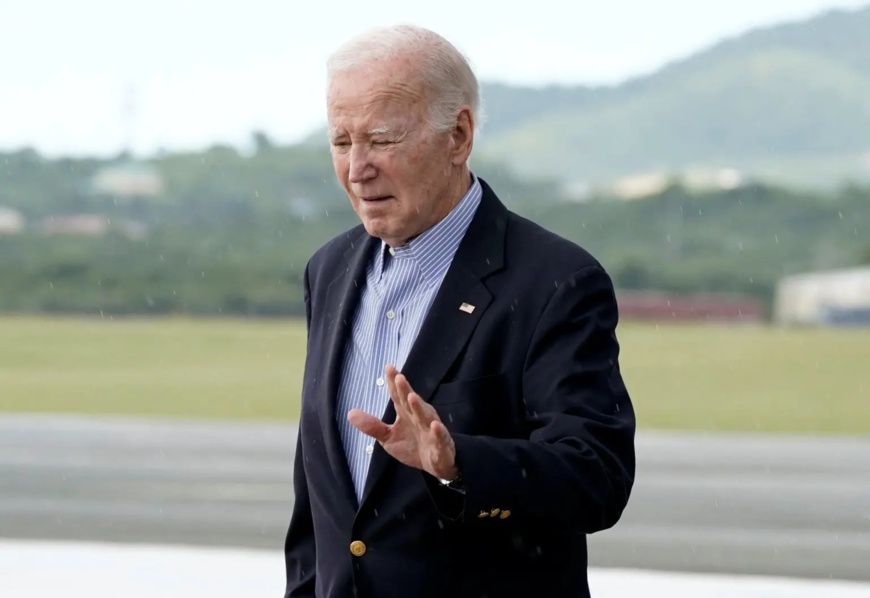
{"x":377,"y":229}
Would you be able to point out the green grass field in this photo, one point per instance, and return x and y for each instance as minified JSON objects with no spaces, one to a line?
{"x":681,"y":377}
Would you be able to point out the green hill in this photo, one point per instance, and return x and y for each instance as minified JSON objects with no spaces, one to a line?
{"x":787,"y":103}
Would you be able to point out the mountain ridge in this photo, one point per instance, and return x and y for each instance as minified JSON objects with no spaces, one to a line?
{"x":788,"y":93}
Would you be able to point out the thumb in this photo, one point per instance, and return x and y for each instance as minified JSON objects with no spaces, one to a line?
{"x":368,"y":424}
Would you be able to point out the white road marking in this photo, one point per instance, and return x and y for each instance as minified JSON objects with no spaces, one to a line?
{"x":34,"y":569}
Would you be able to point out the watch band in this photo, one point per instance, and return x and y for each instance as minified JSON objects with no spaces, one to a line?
{"x":451,"y":483}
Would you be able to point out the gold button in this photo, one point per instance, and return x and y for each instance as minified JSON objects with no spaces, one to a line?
{"x":494,"y":512}
{"x":483,"y":514}
{"x":357,"y":548}
{"x":505,"y":514}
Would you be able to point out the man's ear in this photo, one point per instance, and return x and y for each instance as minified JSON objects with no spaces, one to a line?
{"x":462,"y":136}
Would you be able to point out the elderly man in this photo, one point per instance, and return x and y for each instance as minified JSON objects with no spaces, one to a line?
{"x":464,"y":421}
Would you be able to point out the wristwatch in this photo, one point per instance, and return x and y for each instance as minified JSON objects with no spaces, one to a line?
{"x":454,"y":483}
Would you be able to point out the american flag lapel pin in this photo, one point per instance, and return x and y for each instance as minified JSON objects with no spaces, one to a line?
{"x":466,"y":307}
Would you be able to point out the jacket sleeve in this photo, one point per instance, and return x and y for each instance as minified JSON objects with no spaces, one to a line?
{"x":574,"y":468}
{"x":299,"y":549}
{"x":299,"y":552}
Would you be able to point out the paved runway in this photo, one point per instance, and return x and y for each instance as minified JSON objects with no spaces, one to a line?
{"x":798,"y":507}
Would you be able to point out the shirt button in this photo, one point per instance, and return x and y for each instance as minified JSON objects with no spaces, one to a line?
{"x":370,"y":449}
{"x":380,"y":381}
{"x":392,"y":251}
{"x":391,"y":314}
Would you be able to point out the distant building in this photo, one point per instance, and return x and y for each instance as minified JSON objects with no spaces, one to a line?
{"x":11,"y":221}
{"x":91,"y":225}
{"x":641,"y":186}
{"x":128,"y":179}
{"x":689,"y":307}
{"x":828,"y":298}
{"x":713,"y":179}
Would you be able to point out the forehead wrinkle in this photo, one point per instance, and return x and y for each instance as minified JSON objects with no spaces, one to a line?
{"x":394,"y":101}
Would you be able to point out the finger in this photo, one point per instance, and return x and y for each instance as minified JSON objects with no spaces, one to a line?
{"x":405,"y":391}
{"x":440,"y":431}
{"x":443,"y":449}
{"x":399,"y":391}
{"x":392,"y":387}
{"x":423,"y":413}
{"x":369,"y":424}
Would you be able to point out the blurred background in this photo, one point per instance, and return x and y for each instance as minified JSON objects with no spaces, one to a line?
{"x":164,"y":177}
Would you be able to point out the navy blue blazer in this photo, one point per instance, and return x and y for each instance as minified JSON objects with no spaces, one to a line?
{"x":529,"y":385}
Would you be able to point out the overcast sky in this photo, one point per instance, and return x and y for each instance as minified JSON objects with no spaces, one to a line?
{"x":81,"y":76}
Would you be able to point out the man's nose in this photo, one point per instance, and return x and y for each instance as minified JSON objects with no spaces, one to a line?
{"x":361,"y":168}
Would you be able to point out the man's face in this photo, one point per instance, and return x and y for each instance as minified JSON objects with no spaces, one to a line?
{"x":393,"y":167}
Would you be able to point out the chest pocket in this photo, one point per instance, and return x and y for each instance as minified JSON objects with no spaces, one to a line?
{"x":477,"y":406}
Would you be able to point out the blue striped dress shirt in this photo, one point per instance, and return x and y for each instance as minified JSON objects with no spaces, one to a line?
{"x":401,"y":283}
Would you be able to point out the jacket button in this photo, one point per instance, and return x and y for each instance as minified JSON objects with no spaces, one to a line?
{"x":357,"y":548}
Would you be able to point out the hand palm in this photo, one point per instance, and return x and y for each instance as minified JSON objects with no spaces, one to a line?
{"x":417,"y":438}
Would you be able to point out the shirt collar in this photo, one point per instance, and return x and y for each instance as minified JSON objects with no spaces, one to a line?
{"x":433,"y":250}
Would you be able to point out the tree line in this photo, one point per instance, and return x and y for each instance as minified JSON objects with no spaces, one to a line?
{"x":230,"y":233}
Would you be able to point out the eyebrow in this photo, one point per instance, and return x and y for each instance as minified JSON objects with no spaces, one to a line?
{"x":334,"y":134}
{"x":379,"y":131}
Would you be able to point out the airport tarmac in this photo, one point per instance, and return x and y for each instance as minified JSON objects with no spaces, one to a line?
{"x":728,"y":504}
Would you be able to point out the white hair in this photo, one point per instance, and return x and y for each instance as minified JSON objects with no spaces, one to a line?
{"x":445,"y":71}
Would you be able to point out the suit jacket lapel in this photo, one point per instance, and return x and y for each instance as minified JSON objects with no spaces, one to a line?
{"x":342,"y":298}
{"x":447,"y":328}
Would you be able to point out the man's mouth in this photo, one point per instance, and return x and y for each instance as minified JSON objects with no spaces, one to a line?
{"x":376,"y":198}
